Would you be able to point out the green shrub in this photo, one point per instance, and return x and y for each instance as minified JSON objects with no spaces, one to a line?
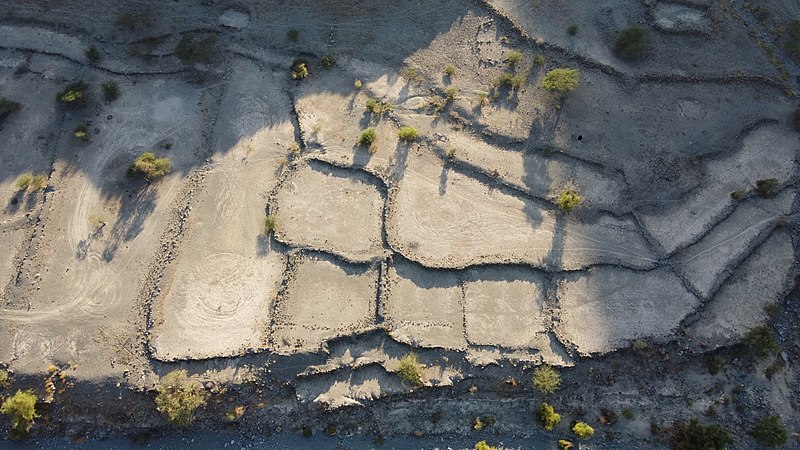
{"x":539,"y":60}
{"x":407,"y":134}
{"x":738,"y":195}
{"x":564,"y":444}
{"x":513,"y":57}
{"x":572,"y":30}
{"x":451,"y":93}
{"x":193,"y":49}
{"x":151,"y":166}
{"x":379,"y":107}
{"x":22,"y":409}
{"x":766,"y":188}
{"x":3,"y":378}
{"x":761,"y":342}
{"x":561,"y":80}
{"x":450,"y":154}
{"x":328,"y":61}
{"x":74,"y":95}
{"x":449,"y":70}
{"x":81,"y":132}
{"x":582,"y":430}
{"x":7,"y":107}
{"x":546,"y":379}
{"x":292,"y":35}
{"x":770,"y":432}
{"x":92,"y":54}
{"x":178,"y":398}
{"x":30,"y":182}
{"x":715,"y":364}
{"x":482,"y":445}
{"x":410,"y":370}
{"x":358,"y":84}
{"x":696,"y":436}
{"x":548,"y":417}
{"x":110,"y":90}
{"x":509,"y":80}
{"x":632,"y":43}
{"x":299,"y":69}
{"x":568,"y":199}
{"x":367,"y":137}
{"x":413,"y":75}
{"x":270,"y":224}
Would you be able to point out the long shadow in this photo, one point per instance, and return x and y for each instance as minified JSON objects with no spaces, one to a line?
{"x":136,"y":208}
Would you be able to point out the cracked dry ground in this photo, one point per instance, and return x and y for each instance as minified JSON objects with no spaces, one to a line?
{"x":452,"y":244}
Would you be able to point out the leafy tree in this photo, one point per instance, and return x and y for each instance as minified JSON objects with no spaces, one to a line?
{"x":770,"y":432}
{"x":3,"y":378}
{"x":632,"y":43}
{"x":178,"y":398}
{"x":22,"y":409}
{"x":92,"y":54}
{"x":561,"y":80}
{"x":548,"y":417}
{"x":110,"y":90}
{"x":74,"y":95}
{"x":513,"y":57}
{"x":509,"y":80}
{"x":546,"y":379}
{"x":151,"y":166}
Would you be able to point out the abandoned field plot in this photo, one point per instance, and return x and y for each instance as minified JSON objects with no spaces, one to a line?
{"x":402,"y":219}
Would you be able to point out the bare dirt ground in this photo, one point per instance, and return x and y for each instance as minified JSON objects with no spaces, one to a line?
{"x":290,"y":269}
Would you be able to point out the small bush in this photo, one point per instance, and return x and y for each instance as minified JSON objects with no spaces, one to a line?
{"x":564,"y":444}
{"x":766,"y":188}
{"x":546,"y":379}
{"x":31,"y":183}
{"x":81,"y":132}
{"x":22,"y":409}
{"x":328,"y":61}
{"x":192,"y":49}
{"x":632,"y":43}
{"x":482,"y":445}
{"x":568,"y":199}
{"x":407,"y":134}
{"x":450,"y":154}
{"x":548,"y":417}
{"x":151,"y":166}
{"x":738,"y":195}
{"x":509,"y":80}
{"x":628,"y":414}
{"x":92,"y":54}
{"x":299,"y":69}
{"x":582,"y":430}
{"x":696,"y":436}
{"x":451,"y":93}
{"x":761,"y":342}
{"x":379,"y":107}
{"x":367,"y":137}
{"x":513,"y":58}
{"x":539,"y":60}
{"x":74,"y":95}
{"x":110,"y":90}
{"x":3,"y":378}
{"x":770,"y":432}
{"x":715,"y":364}
{"x":7,"y":107}
{"x":449,"y":70}
{"x":437,"y":102}
{"x":561,"y":80}
{"x":410,"y":370}
{"x":480,"y":423}
{"x":572,"y":30}
{"x":358,"y":84}
{"x":270,"y":224}
{"x":178,"y":398}
{"x":413,"y":75}
{"x":292,"y":35}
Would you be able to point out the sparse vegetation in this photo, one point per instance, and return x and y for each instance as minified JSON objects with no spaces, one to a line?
{"x":449,"y":70}
{"x":30,"y":182}
{"x":379,"y":107}
{"x":192,"y":49}
{"x":92,"y":54}
{"x":632,"y":43}
{"x":7,"y":107}
{"x":74,"y":95}
{"x":3,"y":378}
{"x":299,"y":69}
{"x":509,"y":80}
{"x":568,"y":199}
{"x":270,"y":224}
{"x":22,"y":409}
{"x":539,"y":60}
{"x":410,"y":370}
{"x":761,"y":342}
{"x":178,"y":398}
{"x":572,"y":30}
{"x":766,"y":188}
{"x":548,"y":417}
{"x":480,"y":423}
{"x":451,"y":93}
{"x":81,"y":132}
{"x":450,"y":154}
{"x":413,"y":75}
{"x":546,"y":379}
{"x":564,"y":444}
{"x":582,"y":430}
{"x":792,"y":43}
{"x":561,"y":80}
{"x":697,"y":436}
{"x":235,"y":413}
{"x":715,"y":364}
{"x":151,"y":166}
{"x":770,"y":432}
{"x":513,"y":57}
{"x":407,"y":134}
{"x":482,"y":445}
{"x":367,"y":137}
{"x":292,"y":35}
{"x":110,"y":90}
{"x":438,"y":103}
{"x":738,"y":194}
{"x":328,"y":61}
{"x":358,"y":84}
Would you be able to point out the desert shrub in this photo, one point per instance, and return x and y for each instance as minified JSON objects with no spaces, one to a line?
{"x":770,"y":432}
{"x":410,"y":370}
{"x":482,"y":445}
{"x":379,"y":107}
{"x":413,"y":75}
{"x":451,"y":93}
{"x":437,"y":102}
{"x":358,"y":84}
{"x":178,"y":398}
{"x":697,"y":436}
{"x":761,"y":342}
{"x":564,"y":444}
{"x":792,"y":44}
{"x":546,"y":379}
{"x":548,"y":417}
{"x":774,"y":369}
{"x":738,"y":195}
{"x":299,"y":69}
{"x":572,"y":30}
{"x":22,"y":409}
{"x":367,"y":137}
{"x":795,"y":117}
{"x":292,"y":35}
{"x":513,"y":57}
{"x":151,"y":166}
{"x":270,"y":224}
{"x":449,"y":70}
{"x":561,"y":80}
{"x":30,"y":182}
{"x":92,"y":54}
{"x":110,"y":90}
{"x":480,"y":423}
{"x":715,"y":364}
{"x":766,"y":188}
{"x":307,"y":432}
{"x":632,"y":43}
{"x":582,"y":430}
{"x":328,"y":61}
{"x":193,"y":49}
{"x":81,"y":132}
{"x":568,"y":199}
{"x":3,"y":378}
{"x":628,"y":414}
{"x":509,"y":80}
{"x":7,"y":107}
{"x":407,"y":134}
{"x":539,"y":60}
{"x":74,"y":95}
{"x":450,"y":154}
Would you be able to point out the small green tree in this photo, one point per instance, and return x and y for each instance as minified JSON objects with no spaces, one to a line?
{"x":151,"y":166}
{"x":328,"y":61}
{"x":30,"y":182}
{"x":770,"y":432}
{"x":766,"y":188}
{"x":509,"y":80}
{"x":193,"y":49}
{"x":582,"y":430}
{"x":22,"y":409}
{"x":568,"y":199}
{"x":548,"y":417}
{"x":546,"y":379}
{"x":697,"y":436}
{"x":795,"y":117}
{"x":632,"y":43}
{"x":407,"y":134}
{"x":410,"y":370}
{"x":3,"y":378}
{"x":561,"y":80}
{"x":367,"y":137}
{"x":178,"y":398}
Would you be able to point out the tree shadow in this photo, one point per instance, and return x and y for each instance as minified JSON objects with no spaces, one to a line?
{"x":136,"y":208}
{"x":82,"y":250}
{"x":443,"y":179}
